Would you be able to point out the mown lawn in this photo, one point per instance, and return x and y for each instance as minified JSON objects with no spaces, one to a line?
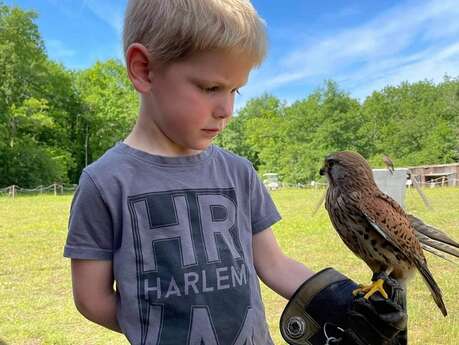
{"x":36,"y":305}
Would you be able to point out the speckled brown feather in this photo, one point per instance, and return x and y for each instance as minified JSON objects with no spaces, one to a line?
{"x":372,"y":224}
{"x":390,"y":218}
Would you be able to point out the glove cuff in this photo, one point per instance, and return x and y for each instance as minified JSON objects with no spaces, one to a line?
{"x":297,"y":326}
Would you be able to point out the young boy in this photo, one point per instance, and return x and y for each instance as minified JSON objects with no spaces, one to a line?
{"x":179,"y":226}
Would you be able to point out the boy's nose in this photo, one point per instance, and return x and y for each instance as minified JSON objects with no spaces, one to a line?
{"x":224,"y":107}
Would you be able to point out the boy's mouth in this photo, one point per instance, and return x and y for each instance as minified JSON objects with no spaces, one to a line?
{"x":211,"y":130}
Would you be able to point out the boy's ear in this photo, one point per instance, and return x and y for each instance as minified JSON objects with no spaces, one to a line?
{"x":138,"y":67}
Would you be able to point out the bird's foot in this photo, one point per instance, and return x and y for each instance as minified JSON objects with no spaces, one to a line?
{"x":369,"y":290}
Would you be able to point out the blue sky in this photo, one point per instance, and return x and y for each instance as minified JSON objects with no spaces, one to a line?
{"x":363,"y":45}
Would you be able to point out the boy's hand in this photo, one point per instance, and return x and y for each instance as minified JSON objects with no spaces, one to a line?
{"x":324,"y":311}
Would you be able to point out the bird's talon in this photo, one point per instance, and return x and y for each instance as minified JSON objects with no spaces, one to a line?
{"x":371,"y":289}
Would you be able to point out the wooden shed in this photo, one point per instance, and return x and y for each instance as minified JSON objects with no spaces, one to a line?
{"x":436,"y":175}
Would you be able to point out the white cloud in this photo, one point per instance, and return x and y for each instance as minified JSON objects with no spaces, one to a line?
{"x":109,"y":11}
{"x":412,"y":41}
{"x":57,"y":50}
{"x":433,"y":66}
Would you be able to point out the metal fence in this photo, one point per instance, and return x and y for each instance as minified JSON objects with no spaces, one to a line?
{"x":55,"y":188}
{"x":62,"y":188}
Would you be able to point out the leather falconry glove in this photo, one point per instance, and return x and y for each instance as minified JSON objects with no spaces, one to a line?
{"x":324,"y":311}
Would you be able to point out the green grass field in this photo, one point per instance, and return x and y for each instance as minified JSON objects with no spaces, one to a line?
{"x":36,"y":305}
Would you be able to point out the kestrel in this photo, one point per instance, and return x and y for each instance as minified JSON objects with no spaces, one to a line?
{"x":374,"y":226}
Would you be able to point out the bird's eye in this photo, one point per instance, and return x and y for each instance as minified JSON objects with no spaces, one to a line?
{"x":330,"y":163}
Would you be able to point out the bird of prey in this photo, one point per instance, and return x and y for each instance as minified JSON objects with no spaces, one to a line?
{"x":376,"y":228}
{"x":389,"y":164}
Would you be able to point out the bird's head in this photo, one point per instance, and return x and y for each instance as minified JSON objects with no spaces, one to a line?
{"x":347,"y":170}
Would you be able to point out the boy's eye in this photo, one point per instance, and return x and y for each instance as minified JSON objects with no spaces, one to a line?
{"x":211,"y":89}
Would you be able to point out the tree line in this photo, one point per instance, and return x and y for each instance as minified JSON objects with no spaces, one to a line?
{"x":54,"y":121}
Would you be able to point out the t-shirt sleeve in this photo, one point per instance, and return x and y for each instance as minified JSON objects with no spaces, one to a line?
{"x":90,"y":233}
{"x":263,"y":210}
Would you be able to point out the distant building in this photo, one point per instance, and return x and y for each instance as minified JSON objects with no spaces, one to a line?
{"x":436,"y":175}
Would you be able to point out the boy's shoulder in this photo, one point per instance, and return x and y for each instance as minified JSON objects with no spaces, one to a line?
{"x":232,"y":157}
{"x":233,"y":163}
{"x":106,"y":163}
{"x":113,"y":167}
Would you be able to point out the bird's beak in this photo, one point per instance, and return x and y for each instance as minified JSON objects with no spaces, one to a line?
{"x":322,"y":171}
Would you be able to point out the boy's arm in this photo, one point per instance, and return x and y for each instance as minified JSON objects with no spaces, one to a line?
{"x":93,"y":292}
{"x":329,"y":301}
{"x":279,"y":272}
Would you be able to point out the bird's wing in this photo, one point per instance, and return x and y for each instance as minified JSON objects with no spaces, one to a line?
{"x":430,"y":231}
{"x":433,"y":240}
{"x":439,"y":253}
{"x":434,"y":244}
{"x":390,"y":221}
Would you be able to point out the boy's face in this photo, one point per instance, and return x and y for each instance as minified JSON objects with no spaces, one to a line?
{"x":192,"y":100}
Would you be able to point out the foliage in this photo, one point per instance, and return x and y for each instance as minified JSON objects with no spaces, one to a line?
{"x":33,"y":102}
{"x":254,"y":127}
{"x":110,"y":105}
{"x":29,"y":164}
{"x":54,"y":121}
{"x":415,"y":123}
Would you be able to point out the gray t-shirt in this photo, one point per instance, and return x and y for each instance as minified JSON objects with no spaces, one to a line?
{"x":179,"y":232}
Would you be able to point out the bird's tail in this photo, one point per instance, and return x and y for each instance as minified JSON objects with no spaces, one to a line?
{"x":434,"y":240}
{"x":433,"y":286}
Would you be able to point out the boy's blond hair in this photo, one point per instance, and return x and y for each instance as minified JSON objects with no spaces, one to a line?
{"x":174,"y":29}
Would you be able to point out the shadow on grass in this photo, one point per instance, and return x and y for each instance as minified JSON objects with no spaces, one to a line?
{"x":3,"y":342}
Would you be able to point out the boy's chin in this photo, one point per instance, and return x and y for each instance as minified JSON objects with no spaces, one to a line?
{"x":202,"y":145}
{"x":201,"y":148}
{"x":196,"y":148}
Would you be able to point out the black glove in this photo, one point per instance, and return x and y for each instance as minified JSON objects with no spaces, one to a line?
{"x":324,"y":311}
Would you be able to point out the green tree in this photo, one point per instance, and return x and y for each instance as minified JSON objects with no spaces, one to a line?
{"x":293,"y":140}
{"x":28,"y":165}
{"x":414,"y":123}
{"x":24,"y":114}
{"x":22,"y":57}
{"x":110,"y":107}
{"x":243,"y":137}
{"x":37,"y":103}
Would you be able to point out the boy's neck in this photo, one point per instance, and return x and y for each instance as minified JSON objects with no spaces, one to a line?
{"x":144,"y":137}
